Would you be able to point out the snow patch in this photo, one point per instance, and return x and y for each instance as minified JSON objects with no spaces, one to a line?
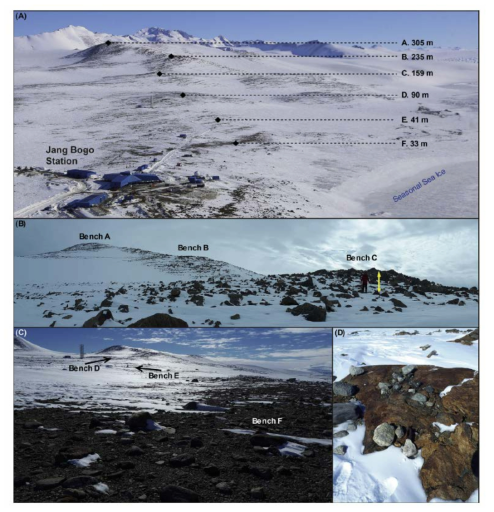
{"x":85,"y":461}
{"x":449,"y":388}
{"x":101,"y":487}
{"x":445,"y":428}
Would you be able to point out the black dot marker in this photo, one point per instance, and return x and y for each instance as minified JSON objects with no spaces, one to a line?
{"x":159,"y":73}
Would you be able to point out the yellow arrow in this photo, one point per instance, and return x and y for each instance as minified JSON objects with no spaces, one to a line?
{"x":379,"y":282}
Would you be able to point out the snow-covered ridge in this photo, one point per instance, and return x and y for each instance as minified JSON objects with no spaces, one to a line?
{"x":68,"y":38}
{"x":137,"y":263}
{"x":22,"y":345}
{"x":80,"y":38}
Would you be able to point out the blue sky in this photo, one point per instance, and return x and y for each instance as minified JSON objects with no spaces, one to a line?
{"x":296,"y":347}
{"x":444,"y":28}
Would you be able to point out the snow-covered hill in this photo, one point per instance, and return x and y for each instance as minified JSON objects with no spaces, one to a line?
{"x":119,"y":286}
{"x":93,"y":262}
{"x":69,"y":38}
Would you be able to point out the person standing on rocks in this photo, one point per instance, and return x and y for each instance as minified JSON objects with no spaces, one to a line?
{"x":364,"y":279}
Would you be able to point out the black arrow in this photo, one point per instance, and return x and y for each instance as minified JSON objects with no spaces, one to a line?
{"x":140,"y":368}
{"x":105,"y":359}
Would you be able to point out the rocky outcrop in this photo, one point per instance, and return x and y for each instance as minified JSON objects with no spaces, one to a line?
{"x":468,"y":339}
{"x":403,"y":405}
{"x":450,"y":470}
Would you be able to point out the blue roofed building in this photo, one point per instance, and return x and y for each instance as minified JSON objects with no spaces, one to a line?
{"x":92,"y":200}
{"x":80,"y":174}
{"x":87,"y":202}
{"x":122,"y":181}
{"x":111,"y":176}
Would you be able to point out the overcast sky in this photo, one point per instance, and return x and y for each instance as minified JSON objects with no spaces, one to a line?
{"x":289,"y":349}
{"x":444,"y":251}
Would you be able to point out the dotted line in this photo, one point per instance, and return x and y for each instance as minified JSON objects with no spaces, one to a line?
{"x":279,"y":74}
{"x":291,"y":95}
{"x":285,"y":56}
{"x":247,"y":43}
{"x":273,"y":119}
{"x":319,"y":143}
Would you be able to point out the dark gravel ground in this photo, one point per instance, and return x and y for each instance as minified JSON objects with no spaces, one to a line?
{"x":194,"y":452}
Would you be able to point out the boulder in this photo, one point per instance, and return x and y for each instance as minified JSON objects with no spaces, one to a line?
{"x":341,"y":433}
{"x":409,"y":449}
{"x":72,"y":452}
{"x":340,"y":449}
{"x":356,"y":370}
{"x":288,"y":301}
{"x":49,"y":483}
{"x":384,"y":435}
{"x":311,"y":312}
{"x":182,"y":460}
{"x":235,"y":298}
{"x":408,"y":369}
{"x":99,"y":319}
{"x":135,"y":451}
{"x":160,"y":320}
{"x":191,"y":406}
{"x":139,"y":421}
{"x":400,"y":432}
{"x":266,"y":441}
{"x":398,"y":304}
{"x":79,"y":481}
{"x":419,"y":397}
{"x":224,"y":488}
{"x":344,"y":389}
{"x":177,"y":494}
{"x":212,"y":470}
{"x":258,"y":493}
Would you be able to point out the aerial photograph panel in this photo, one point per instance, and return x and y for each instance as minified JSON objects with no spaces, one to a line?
{"x":246,"y":115}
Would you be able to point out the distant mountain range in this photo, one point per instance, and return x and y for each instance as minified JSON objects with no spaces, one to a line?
{"x":80,"y":38}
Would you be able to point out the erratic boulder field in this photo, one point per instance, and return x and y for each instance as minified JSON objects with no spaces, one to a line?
{"x":420,"y":402}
